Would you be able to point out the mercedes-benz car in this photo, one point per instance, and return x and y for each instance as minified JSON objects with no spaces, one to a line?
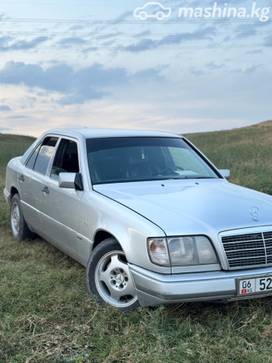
{"x":148,"y":215}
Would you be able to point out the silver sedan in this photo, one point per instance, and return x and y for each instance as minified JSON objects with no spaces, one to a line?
{"x":148,"y":215}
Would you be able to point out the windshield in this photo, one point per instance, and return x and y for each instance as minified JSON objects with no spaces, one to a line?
{"x":129,"y":159}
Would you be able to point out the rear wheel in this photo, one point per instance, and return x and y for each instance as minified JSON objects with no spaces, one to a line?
{"x":109,"y":278}
{"x":19,"y":228}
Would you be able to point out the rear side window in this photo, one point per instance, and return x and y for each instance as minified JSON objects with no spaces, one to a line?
{"x":44,"y":155}
{"x":66,"y":159}
{"x":31,"y":161}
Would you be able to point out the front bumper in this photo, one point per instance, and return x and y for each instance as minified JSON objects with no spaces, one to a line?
{"x":154,"y":289}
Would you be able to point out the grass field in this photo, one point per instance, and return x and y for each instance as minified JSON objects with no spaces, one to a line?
{"x":47,"y":316}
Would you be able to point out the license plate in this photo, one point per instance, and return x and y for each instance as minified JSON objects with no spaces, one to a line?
{"x":258,"y":285}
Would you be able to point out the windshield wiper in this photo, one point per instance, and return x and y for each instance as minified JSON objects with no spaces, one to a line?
{"x":204,"y":177}
{"x":189,"y":177}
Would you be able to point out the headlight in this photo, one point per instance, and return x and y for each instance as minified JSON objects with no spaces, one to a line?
{"x":188,"y":251}
{"x":183,"y":251}
{"x":158,"y":251}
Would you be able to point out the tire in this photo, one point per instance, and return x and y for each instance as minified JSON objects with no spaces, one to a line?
{"x":109,"y":278}
{"x":19,"y":228}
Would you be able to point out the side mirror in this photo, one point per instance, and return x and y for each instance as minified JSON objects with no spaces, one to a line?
{"x":225,"y":173}
{"x":71,"y":181}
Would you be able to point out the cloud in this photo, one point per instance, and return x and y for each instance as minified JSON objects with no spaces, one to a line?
{"x":208,"y":68}
{"x":18,"y":117}
{"x":172,"y":39}
{"x":121,"y":18}
{"x":268,"y":41}
{"x":142,"y":45}
{"x":5,"y":129}
{"x":76,"y":85}
{"x":9,"y":44}
{"x":148,"y":75}
{"x":254,"y":51}
{"x":214,"y":66}
{"x":252,"y":69}
{"x":144,"y":33}
{"x":110,"y":35}
{"x":4,"y":108}
{"x":245,"y":31}
{"x":71,"y":41}
{"x":4,"y":40}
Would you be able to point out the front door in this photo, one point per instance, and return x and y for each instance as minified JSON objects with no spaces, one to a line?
{"x":65,"y":208}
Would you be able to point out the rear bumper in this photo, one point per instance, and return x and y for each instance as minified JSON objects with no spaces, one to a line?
{"x":153,"y":288}
{"x":6,"y":195}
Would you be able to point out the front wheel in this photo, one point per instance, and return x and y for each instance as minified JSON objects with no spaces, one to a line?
{"x":19,"y":228}
{"x":109,"y":278}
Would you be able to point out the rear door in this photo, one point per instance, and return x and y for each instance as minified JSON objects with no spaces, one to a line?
{"x":33,"y":183}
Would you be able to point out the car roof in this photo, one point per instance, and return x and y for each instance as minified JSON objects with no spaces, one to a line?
{"x":88,"y":133}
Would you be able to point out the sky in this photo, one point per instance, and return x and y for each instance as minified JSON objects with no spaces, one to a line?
{"x":85,"y":63}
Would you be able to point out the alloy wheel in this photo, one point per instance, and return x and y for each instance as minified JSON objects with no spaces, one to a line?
{"x":113,"y":280}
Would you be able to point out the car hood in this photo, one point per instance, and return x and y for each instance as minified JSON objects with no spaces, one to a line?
{"x":193,"y":206}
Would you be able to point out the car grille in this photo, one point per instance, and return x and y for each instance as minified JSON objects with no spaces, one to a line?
{"x":245,"y":250}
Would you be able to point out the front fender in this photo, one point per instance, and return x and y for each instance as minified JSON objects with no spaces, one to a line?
{"x":130,"y":229}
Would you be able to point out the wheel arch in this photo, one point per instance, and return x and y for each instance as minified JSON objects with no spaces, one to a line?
{"x":101,"y":235}
{"x":13,"y":191}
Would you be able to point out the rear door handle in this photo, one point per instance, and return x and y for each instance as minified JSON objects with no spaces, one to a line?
{"x":45,"y":190}
{"x":21,"y":178}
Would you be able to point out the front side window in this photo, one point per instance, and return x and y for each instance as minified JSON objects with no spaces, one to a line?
{"x":44,"y":155}
{"x":66,"y":159}
{"x":128,"y":159}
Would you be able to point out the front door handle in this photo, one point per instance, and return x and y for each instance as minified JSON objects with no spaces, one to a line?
{"x":45,"y":190}
{"x":21,"y":178}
